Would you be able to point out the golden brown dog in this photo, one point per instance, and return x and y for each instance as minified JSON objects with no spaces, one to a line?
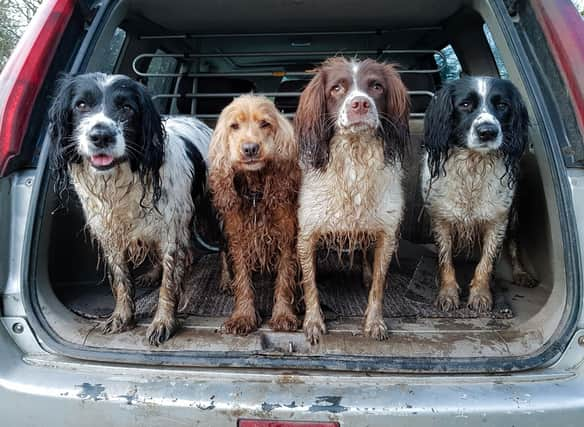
{"x":254,"y":177}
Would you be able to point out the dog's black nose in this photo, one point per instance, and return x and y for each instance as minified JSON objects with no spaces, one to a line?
{"x":101,"y":136}
{"x":487,"y":132}
{"x":251,"y":149}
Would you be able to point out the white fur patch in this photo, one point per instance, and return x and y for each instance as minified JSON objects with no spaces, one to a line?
{"x":357,"y":193}
{"x":471,"y":191}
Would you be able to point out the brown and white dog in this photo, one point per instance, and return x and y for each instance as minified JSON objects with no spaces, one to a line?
{"x":254,"y":177}
{"x":352,"y":129}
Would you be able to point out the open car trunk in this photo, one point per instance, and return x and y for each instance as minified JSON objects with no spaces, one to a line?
{"x":195,"y":58}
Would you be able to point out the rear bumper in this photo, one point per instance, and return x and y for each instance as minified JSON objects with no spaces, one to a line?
{"x":50,"y":391}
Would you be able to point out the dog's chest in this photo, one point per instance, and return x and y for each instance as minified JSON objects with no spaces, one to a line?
{"x":472,"y":189}
{"x":357,"y":191}
{"x":114,"y":208}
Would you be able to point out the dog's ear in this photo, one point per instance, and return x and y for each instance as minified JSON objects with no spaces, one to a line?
{"x":284,"y":137}
{"x":515,"y":134}
{"x":312,"y":127}
{"x":61,"y":133}
{"x":219,"y":147}
{"x":152,"y":136}
{"x":395,"y":125}
{"x":438,"y":128}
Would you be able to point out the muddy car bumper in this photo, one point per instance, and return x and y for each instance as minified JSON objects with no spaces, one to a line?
{"x":50,"y":391}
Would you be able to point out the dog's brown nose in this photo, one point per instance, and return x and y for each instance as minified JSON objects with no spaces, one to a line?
{"x":251,"y":149}
{"x":360,"y":105}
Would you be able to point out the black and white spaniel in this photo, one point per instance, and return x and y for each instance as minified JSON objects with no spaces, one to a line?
{"x":475,"y":134}
{"x":138,"y":178}
{"x":352,"y":129}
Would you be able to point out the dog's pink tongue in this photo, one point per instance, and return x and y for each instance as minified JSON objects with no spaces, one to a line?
{"x":102,"y":160}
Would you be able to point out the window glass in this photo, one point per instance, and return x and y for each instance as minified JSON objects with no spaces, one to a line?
{"x":496,"y":54}
{"x":114,"y":51}
{"x":451,"y":69}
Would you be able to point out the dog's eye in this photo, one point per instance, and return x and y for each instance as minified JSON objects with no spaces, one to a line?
{"x":466,"y":105}
{"x":234,"y":126}
{"x":264,"y":124}
{"x":337,"y":89}
{"x":127,"y":108}
{"x":82,"y":106}
{"x":376,"y":86}
{"x":501,"y":106}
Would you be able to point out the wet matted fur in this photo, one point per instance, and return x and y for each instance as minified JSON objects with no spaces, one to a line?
{"x":475,"y":133}
{"x":138,"y":178}
{"x":352,"y":128}
{"x":254,"y":178}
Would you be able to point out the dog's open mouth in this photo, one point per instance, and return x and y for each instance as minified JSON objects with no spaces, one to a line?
{"x":102,"y":161}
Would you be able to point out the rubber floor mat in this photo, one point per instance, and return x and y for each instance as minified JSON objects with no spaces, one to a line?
{"x":410,"y":291}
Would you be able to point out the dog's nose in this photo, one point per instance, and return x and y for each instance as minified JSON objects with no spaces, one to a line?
{"x":251,"y":149}
{"x":360,"y":105}
{"x":487,"y":132}
{"x":101,"y":136}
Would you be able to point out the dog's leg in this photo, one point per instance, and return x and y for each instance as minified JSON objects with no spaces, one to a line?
{"x":374,"y":325}
{"x":283,"y":316}
{"x":520,"y":276}
{"x":448,"y":298}
{"x":226,"y":279}
{"x":313,"y":325}
{"x":244,"y":318}
{"x":367,"y":271}
{"x":480,"y":298}
{"x":151,"y":277}
{"x":175,"y":260}
{"x":122,"y":318}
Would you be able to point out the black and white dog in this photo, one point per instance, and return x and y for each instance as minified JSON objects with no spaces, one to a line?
{"x":138,"y":178}
{"x":475,"y":134}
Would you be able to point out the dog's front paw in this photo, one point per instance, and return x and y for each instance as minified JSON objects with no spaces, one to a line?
{"x":480,"y":299}
{"x":285,"y":321}
{"x":241,"y":324}
{"x":161,"y":329}
{"x":376,"y":328}
{"x":448,"y":299}
{"x":524,"y":279}
{"x":314,"y":328}
{"x":118,"y":323}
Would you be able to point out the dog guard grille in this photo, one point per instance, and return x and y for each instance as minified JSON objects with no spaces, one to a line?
{"x":187,"y":69}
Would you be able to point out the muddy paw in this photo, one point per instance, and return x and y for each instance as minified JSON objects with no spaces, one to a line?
{"x":525,"y":280}
{"x":148,"y":280}
{"x":117,"y":323}
{"x":225,"y":287}
{"x":314,"y":328}
{"x":480,"y":300}
{"x":160,"y":330}
{"x":447,"y":300}
{"x":376,"y":329}
{"x":241,"y":324}
{"x":284,"y":322}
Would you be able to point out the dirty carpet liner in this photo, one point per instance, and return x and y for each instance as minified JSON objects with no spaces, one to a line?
{"x":410,"y":292}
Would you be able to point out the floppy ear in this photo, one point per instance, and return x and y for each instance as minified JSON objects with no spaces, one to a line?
{"x":284,"y":137}
{"x":395,"y":125}
{"x":438,"y":124}
{"x":152,"y":136}
{"x":313,"y":129}
{"x":219,"y":146}
{"x":60,"y":133}
{"x":221,"y":175}
{"x":515,"y":135}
